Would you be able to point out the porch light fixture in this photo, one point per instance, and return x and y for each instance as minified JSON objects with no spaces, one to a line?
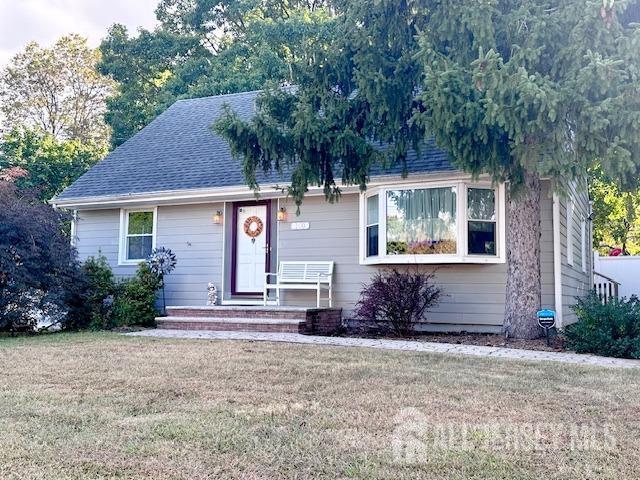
{"x":217,"y":218}
{"x":282,"y":214}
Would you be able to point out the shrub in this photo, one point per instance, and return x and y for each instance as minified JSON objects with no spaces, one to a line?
{"x":397,"y":300}
{"x":135,"y":300}
{"x":100,"y":292}
{"x":40,"y":276}
{"x":611,"y":329}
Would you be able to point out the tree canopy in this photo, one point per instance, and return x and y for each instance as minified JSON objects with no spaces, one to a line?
{"x":56,"y":91}
{"x":616,"y":215}
{"x":202,"y":48}
{"x":49,"y":164}
{"x":545,"y":87}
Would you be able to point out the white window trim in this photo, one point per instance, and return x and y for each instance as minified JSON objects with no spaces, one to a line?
{"x":570,"y":228}
{"x":583,"y":243}
{"x":367,"y":224}
{"x":122,"y":247}
{"x":462,"y":255}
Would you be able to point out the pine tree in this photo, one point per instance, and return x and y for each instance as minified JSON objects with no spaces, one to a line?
{"x":518,"y":90}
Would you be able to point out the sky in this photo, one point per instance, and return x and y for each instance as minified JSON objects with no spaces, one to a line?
{"x":44,"y":21}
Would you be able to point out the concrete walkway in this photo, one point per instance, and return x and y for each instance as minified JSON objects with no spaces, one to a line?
{"x":407,"y":345}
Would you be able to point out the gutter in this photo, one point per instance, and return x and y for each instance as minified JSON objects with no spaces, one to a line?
{"x":186,"y":196}
{"x":557,"y":261}
{"x":236,"y":192}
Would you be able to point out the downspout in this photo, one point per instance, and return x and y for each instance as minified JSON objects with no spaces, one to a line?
{"x":557,"y":261}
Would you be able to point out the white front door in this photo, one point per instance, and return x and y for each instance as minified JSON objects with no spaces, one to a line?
{"x":251,"y":248}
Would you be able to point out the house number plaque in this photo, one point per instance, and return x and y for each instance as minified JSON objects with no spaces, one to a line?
{"x":300,"y":226}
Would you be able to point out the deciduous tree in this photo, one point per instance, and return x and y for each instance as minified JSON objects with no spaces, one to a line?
{"x":616,"y":215}
{"x":144,"y":68}
{"x":205,"y":48}
{"x":56,"y":91}
{"x":49,"y":164}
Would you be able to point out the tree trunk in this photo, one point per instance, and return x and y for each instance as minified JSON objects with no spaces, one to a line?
{"x":523,"y":260}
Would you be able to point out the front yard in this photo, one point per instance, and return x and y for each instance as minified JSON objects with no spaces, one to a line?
{"x":104,"y":405}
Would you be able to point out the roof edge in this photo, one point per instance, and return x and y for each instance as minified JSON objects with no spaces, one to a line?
{"x":202,"y":195}
{"x":222,"y":95}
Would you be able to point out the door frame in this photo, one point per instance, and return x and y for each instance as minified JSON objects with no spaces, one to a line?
{"x":234,"y":242}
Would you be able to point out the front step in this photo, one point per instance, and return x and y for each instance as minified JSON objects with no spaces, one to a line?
{"x":237,"y":311}
{"x":232,"y":324}
{"x":253,"y":319}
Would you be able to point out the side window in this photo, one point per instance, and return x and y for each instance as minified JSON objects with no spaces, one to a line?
{"x":138,"y":235}
{"x":481,"y":221}
{"x":373,"y":225}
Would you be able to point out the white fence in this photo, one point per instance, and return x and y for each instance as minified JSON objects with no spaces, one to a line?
{"x":622,"y":270}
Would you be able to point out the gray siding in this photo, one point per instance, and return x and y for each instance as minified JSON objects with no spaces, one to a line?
{"x":576,"y":282}
{"x":474,"y":295}
{"x":188,"y":230}
{"x":97,"y":233}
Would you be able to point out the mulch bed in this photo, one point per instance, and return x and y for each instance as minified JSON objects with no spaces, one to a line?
{"x":493,"y":340}
{"x":480,"y":339}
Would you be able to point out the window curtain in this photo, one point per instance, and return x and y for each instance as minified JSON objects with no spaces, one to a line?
{"x":427,"y":213}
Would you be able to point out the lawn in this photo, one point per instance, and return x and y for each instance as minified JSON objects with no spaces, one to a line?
{"x":105,"y":406}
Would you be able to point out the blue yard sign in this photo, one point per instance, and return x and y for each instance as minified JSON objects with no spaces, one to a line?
{"x":547,"y":320}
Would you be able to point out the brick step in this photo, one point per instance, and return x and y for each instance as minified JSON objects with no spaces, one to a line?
{"x":251,"y":318}
{"x":232,"y":324}
{"x":284,"y":313}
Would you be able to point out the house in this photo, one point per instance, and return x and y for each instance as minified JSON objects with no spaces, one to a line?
{"x":175,"y":184}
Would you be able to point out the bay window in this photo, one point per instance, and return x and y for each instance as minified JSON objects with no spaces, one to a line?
{"x":439,"y":223}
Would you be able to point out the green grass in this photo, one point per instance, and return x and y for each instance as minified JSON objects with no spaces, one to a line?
{"x":100,"y":405}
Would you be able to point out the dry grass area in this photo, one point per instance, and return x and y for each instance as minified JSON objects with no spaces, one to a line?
{"x":107,"y":406}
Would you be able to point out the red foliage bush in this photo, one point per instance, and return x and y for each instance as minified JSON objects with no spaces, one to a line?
{"x":396,"y":300}
{"x":40,"y":276}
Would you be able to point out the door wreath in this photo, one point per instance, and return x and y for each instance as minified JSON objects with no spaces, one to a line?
{"x":253,"y":226}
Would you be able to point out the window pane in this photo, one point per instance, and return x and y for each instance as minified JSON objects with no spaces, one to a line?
{"x":482,"y":238}
{"x":372,"y":241}
{"x":372,"y":210}
{"x":140,"y":223}
{"x":481,"y":204}
{"x":139,"y":248}
{"x":421,"y":221}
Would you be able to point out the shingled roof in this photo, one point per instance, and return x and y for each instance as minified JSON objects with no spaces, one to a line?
{"x":179,"y":151}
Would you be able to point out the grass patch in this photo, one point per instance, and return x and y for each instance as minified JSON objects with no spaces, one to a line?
{"x":100,"y":405}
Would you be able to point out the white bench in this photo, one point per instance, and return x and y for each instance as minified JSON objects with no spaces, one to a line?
{"x":301,"y":276}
